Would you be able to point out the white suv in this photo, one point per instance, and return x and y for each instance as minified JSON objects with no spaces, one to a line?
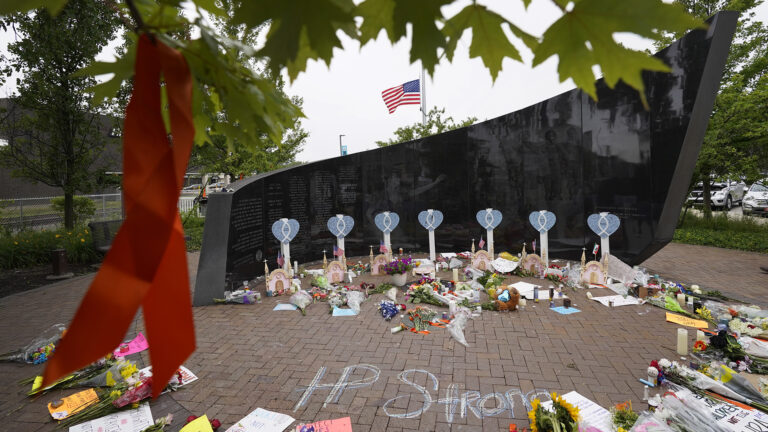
{"x":723,"y":194}
{"x":756,"y":200}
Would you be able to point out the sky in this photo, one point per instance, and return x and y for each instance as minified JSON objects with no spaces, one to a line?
{"x":345,"y":98}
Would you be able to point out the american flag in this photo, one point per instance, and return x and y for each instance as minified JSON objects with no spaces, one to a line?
{"x":280,"y":259}
{"x":404,"y":94}
{"x":337,"y":251}
{"x":382,"y":247}
{"x":482,"y":243}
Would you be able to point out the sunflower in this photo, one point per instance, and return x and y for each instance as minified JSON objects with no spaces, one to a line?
{"x":572,"y":410}
{"x":532,"y":414}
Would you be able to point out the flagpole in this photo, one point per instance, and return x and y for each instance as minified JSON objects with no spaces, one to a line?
{"x":423,"y":98}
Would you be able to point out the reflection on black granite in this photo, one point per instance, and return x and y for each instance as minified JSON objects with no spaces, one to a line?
{"x":568,"y":154}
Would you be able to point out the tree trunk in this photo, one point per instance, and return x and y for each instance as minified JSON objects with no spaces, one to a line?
{"x":69,"y":210}
{"x":706,"y":190}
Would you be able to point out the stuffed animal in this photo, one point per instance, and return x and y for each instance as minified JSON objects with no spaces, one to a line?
{"x":507,"y":299}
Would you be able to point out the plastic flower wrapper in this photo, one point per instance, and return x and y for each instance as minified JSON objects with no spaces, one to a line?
{"x":731,"y":379}
{"x":688,"y":413}
{"x":123,"y":371}
{"x":392,"y":294}
{"x":744,"y":328}
{"x":39,"y":349}
{"x":648,"y":422}
{"x":239,"y":297}
{"x":354,"y":298}
{"x":320,"y":282}
{"x":335,"y":300}
{"x":388,"y":309}
{"x":160,"y":424}
{"x":672,"y":304}
{"x":301,"y":299}
{"x":754,"y":347}
{"x":459,"y":322}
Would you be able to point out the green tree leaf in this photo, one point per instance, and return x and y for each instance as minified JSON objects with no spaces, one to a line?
{"x":583,"y":37}
{"x":8,"y":7}
{"x":377,"y":15}
{"x":299,"y":30}
{"x":488,"y":39}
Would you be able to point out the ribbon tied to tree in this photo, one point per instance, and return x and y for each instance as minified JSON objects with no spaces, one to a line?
{"x":146,"y":265}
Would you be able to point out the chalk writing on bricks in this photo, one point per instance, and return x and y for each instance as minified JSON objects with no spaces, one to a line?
{"x":453,"y":401}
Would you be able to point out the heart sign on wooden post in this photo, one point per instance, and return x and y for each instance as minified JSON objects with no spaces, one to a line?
{"x":604,"y":224}
{"x":542,"y":221}
{"x":386,"y":222}
{"x":340,"y":226}
{"x":431,"y":219}
{"x":284,"y":231}
{"x":489,"y":219}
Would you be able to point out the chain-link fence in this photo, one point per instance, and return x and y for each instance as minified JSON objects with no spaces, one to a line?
{"x":38,"y":213}
{"x":17,"y":214}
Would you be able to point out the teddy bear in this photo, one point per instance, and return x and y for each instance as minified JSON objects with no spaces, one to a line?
{"x":507,"y":299}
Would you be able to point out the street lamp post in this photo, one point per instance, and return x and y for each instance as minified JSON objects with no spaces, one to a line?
{"x":341,"y":151}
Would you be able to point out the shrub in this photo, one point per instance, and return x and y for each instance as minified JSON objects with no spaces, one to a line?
{"x":30,"y":248}
{"x":720,"y":231}
{"x":84,"y":208}
{"x":193,"y":230}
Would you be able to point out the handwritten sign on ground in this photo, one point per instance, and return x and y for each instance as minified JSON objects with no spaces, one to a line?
{"x":261,"y":420}
{"x":69,"y":405}
{"x":685,"y":321}
{"x":337,"y":425}
{"x":618,"y":300}
{"x":138,"y":344}
{"x":124,"y":421}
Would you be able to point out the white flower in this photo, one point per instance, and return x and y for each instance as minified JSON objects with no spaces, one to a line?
{"x":664,"y":363}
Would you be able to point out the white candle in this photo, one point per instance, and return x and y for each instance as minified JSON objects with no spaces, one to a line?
{"x":523,"y":302}
{"x":455,"y":275}
{"x":681,"y":299}
{"x":700,"y":335}
{"x":295,"y":267}
{"x":682,"y":342}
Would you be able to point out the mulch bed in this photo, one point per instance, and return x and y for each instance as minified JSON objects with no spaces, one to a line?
{"x":20,"y":280}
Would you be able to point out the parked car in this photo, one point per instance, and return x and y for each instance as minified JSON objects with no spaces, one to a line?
{"x":756,"y":200}
{"x":192,"y":189}
{"x":216,"y":187}
{"x":723,"y":194}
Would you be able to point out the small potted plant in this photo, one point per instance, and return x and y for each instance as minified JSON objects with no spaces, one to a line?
{"x":399,"y":269}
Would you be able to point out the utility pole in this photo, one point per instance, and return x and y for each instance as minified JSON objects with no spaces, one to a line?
{"x":341,"y":148}
{"x":423,"y":98}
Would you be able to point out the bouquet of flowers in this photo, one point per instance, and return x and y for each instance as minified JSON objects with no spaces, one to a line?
{"x":239,"y":297}
{"x":335,"y":300}
{"x":160,"y":424}
{"x":320,"y":282}
{"x":301,"y":299}
{"x":422,"y":317}
{"x":623,"y":416}
{"x":76,"y":379}
{"x":423,"y":293}
{"x":39,"y":349}
{"x":360,"y":268}
{"x":563,"y":417}
{"x":388,"y":309}
{"x":354,"y":299}
{"x":111,"y":400}
{"x":399,"y":266}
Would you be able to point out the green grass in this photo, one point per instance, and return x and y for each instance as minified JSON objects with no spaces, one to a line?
{"x":30,"y":248}
{"x":193,"y":228}
{"x":719,"y":231}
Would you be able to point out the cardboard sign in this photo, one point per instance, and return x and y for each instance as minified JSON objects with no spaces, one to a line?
{"x":685,"y":321}
{"x":69,"y":405}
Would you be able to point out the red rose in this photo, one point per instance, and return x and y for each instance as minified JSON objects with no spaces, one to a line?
{"x":191,"y":418}
{"x":215,"y":424}
{"x":656,"y":365}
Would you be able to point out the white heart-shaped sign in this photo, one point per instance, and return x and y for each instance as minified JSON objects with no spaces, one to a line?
{"x":340,"y":225}
{"x":285,"y":230}
{"x":386,"y":221}
{"x":489,"y":218}
{"x":603,"y":224}
{"x":431,"y":219}
{"x":542,"y":220}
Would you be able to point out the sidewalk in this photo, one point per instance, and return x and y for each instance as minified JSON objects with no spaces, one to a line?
{"x":249,"y":356}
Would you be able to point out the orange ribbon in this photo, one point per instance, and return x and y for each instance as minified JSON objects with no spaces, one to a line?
{"x":147,"y":264}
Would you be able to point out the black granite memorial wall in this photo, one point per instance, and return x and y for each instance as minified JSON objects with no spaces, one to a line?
{"x":569,"y":154}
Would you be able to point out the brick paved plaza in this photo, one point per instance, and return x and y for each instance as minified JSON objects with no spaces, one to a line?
{"x":250,"y":356}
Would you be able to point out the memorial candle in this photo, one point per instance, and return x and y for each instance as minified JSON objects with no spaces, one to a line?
{"x":455,"y":275}
{"x":700,"y":335}
{"x":681,"y":299}
{"x":682,"y":341}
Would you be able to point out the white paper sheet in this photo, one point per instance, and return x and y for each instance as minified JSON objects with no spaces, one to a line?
{"x":134,"y":420}
{"x":526,"y":289}
{"x":504,"y":266}
{"x":447,"y":255}
{"x":589,"y":412}
{"x":617,"y":300}
{"x":262,"y":420}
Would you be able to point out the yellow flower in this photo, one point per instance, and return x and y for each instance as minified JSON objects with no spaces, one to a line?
{"x":16,"y":243}
{"x":532,"y":414}
{"x":128,"y":371}
{"x":69,"y":233}
{"x":572,"y":410}
{"x":114,"y":394}
{"x":621,"y":429}
{"x":58,"y":235}
{"x":86,"y":231}
{"x":82,"y":240}
{"x":135,"y":405}
{"x":110,"y":381}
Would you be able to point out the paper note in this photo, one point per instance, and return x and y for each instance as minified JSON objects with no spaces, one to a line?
{"x":123,"y":421}
{"x":617,"y":300}
{"x":186,"y":375}
{"x":343,"y":312}
{"x":336,"y":425}
{"x":685,"y":321}
{"x":138,"y":344}
{"x":262,"y":420}
{"x":562,"y":310}
{"x":448,"y":255}
{"x":285,"y":307}
{"x":69,"y":405}
{"x":526,"y":289}
{"x":200,"y":424}
{"x":590,"y":413}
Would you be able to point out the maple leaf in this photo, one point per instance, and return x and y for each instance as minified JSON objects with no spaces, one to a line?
{"x":488,"y":39}
{"x":583,"y":37}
